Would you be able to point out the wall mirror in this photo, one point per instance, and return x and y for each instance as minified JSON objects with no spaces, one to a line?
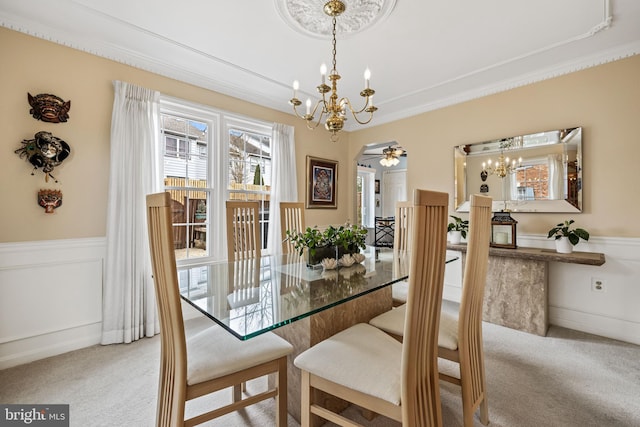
{"x":541,"y":172}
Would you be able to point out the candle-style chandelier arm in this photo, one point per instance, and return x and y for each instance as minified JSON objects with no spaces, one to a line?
{"x":308,"y":117}
{"x":369,"y":109}
{"x":332,"y":106}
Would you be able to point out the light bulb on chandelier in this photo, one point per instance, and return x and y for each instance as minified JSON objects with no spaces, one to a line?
{"x":502,"y":167}
{"x":334,"y":108}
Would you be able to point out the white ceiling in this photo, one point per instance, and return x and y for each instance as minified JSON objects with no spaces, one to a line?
{"x":423,"y":55}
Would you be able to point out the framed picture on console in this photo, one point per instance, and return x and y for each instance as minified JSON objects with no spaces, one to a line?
{"x":322,"y":182}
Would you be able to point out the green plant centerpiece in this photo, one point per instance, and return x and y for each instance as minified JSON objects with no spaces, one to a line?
{"x":332,"y":242}
{"x":457,"y":229}
{"x":563,"y":233}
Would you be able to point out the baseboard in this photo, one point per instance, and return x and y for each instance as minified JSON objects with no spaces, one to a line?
{"x":30,"y":349}
{"x":596,"y":324}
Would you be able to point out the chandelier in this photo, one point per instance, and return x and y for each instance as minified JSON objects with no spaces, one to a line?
{"x":391,"y":156}
{"x":502,"y":167}
{"x":334,"y":108}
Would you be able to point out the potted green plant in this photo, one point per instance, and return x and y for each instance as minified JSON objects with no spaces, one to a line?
{"x":457,"y":229}
{"x":332,"y":242}
{"x":567,"y":237}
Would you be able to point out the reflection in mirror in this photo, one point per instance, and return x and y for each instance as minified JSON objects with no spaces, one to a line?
{"x":541,"y":172}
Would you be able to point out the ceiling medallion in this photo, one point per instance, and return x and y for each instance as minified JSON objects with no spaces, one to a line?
{"x":307,"y":18}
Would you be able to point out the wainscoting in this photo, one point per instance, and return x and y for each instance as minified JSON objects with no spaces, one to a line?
{"x":51,"y":294}
{"x":50,"y":298}
{"x":573,"y":301}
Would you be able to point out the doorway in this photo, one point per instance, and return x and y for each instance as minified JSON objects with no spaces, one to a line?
{"x":389,"y":184}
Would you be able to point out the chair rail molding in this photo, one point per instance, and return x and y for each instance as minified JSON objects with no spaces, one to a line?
{"x":50,"y":297}
{"x":51,"y":294}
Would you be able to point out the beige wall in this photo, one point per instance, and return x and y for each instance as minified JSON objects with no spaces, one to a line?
{"x":604,"y":100}
{"x":36,"y":66}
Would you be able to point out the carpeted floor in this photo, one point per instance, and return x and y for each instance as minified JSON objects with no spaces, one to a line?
{"x":565,"y":379}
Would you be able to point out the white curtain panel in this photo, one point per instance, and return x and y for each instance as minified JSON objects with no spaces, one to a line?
{"x":284,"y":183}
{"x":129,"y":304}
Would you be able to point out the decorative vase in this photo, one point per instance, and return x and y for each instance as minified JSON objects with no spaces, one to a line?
{"x":563,"y":245}
{"x":455,"y":237}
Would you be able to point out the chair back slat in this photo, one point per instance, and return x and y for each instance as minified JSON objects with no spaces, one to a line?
{"x":173,"y":352}
{"x":402,"y":237}
{"x":291,"y":218}
{"x":402,"y":231}
{"x":243,"y":230}
{"x":471,"y":304}
{"x":421,"y":389}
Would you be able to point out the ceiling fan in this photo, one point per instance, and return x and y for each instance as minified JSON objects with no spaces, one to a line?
{"x":390,"y":156}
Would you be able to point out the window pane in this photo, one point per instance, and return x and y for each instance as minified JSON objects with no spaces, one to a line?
{"x":183,"y":173}
{"x":250,"y":172}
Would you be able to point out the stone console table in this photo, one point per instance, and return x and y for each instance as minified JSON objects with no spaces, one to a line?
{"x":516,"y":294}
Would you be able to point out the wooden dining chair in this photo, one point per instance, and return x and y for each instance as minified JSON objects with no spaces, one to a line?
{"x":243,"y":230}
{"x":401,"y":247}
{"x":291,"y":218}
{"x":212,"y":359}
{"x":367,"y":367}
{"x":460,"y":333}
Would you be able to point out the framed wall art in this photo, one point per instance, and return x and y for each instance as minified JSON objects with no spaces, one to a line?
{"x":322,"y":182}
{"x":376,"y":187}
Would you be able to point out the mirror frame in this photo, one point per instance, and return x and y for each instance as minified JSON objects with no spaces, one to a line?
{"x":530,"y":148}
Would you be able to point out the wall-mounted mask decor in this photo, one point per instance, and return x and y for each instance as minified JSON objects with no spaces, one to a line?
{"x":44,"y":151}
{"x":49,"y":199}
{"x":49,"y":108}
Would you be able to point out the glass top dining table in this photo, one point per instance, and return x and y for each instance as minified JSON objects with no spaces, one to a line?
{"x":254,"y":296}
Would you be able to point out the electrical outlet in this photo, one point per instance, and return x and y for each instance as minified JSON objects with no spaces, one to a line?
{"x":597,"y":285}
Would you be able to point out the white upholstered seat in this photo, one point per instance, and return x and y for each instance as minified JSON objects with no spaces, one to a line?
{"x":460,"y":330}
{"x":362,"y":358}
{"x":209,"y":360}
{"x":367,"y":367}
{"x":392,"y":322}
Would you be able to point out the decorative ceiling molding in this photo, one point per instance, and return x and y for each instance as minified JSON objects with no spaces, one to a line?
{"x":307,"y":16}
{"x":215,"y":74}
{"x":579,"y":64}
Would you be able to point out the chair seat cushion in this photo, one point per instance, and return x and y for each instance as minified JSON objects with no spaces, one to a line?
{"x":399,"y":291}
{"x":214,"y":353}
{"x":362,"y":358}
{"x":448,"y":333}
{"x":392,"y":322}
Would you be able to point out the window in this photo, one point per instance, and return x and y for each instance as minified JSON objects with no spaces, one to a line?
{"x":210,"y":157}
{"x":250,"y":167}
{"x":532,"y":180}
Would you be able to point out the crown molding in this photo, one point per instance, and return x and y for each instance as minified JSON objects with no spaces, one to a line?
{"x":273,"y":92}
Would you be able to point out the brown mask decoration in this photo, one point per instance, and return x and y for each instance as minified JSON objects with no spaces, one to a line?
{"x":44,"y":151}
{"x":49,"y":199}
{"x":49,"y":108}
